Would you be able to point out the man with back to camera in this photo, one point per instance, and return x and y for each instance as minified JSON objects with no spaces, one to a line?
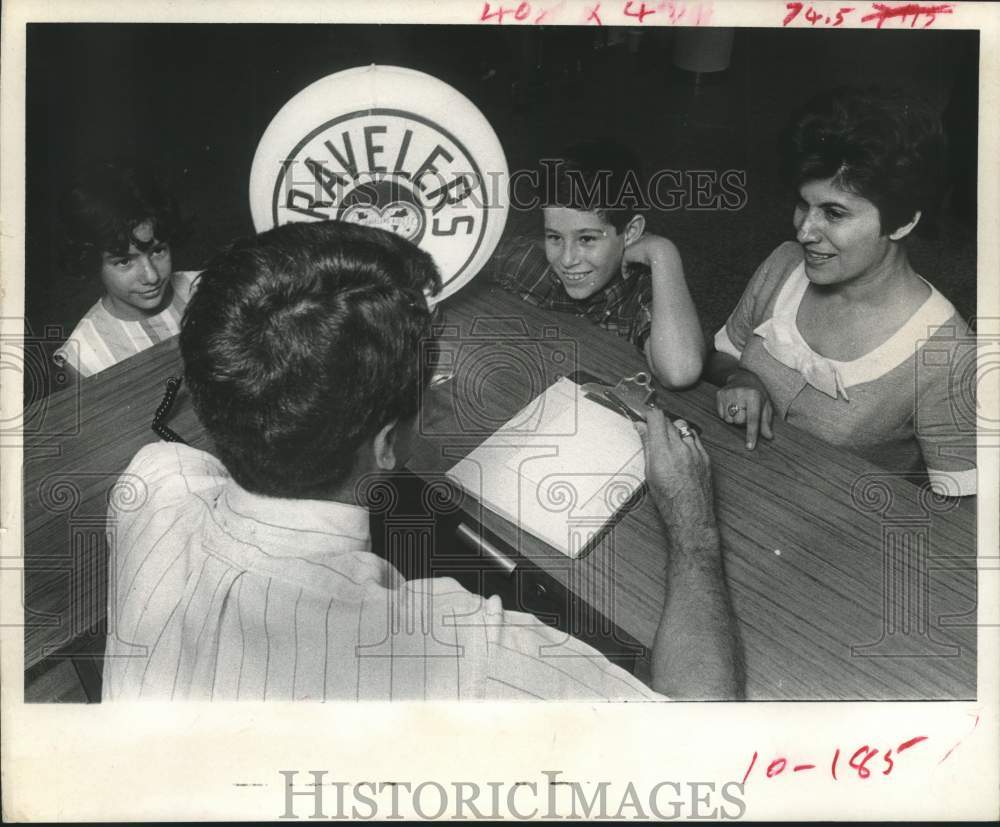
{"x":249,"y":574}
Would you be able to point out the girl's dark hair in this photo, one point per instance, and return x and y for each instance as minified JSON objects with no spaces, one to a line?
{"x":303,"y":342}
{"x":101,"y":212}
{"x":881,"y":145}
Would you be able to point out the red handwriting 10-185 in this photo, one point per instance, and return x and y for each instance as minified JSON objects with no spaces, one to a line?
{"x":863,"y":762}
{"x":880,"y":13}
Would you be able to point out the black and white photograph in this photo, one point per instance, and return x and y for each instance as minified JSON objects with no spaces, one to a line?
{"x":634,"y":355}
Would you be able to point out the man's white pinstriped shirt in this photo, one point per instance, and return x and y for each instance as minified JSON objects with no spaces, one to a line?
{"x":217,"y":593}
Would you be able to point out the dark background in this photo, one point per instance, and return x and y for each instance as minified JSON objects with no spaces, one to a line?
{"x":195,"y":99}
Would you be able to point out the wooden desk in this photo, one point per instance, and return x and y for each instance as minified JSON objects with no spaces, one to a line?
{"x":848,"y":582}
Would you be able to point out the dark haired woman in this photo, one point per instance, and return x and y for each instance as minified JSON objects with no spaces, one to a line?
{"x":118,"y":225}
{"x":836,"y":333}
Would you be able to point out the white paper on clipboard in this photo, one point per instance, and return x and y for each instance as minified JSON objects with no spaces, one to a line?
{"x":560,"y":469}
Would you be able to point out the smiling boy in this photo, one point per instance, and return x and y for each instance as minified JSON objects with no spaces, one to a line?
{"x":118,"y":225}
{"x":597,"y":260}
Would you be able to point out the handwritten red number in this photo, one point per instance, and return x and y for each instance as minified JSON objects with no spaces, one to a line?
{"x":812,"y":15}
{"x":641,"y":14}
{"x":776,"y":767}
{"x":593,"y":15}
{"x":883,"y":12}
{"x":840,"y":16}
{"x":863,"y":771}
{"x":795,"y":9}
{"x":858,"y":761}
{"x":488,"y":15}
{"x":520,"y":13}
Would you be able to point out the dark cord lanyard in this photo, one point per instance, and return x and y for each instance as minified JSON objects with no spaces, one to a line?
{"x":163,"y":411}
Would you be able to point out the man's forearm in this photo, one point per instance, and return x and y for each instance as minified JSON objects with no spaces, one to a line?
{"x":696,"y":653}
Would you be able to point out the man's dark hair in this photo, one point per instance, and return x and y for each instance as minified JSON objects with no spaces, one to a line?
{"x":598,"y":175}
{"x":102,"y":211}
{"x":300,"y":344}
{"x":883,"y":146}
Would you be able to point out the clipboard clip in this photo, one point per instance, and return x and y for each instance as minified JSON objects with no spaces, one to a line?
{"x":631,"y":397}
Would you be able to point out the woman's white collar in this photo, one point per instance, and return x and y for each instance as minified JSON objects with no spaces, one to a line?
{"x":784,"y":342}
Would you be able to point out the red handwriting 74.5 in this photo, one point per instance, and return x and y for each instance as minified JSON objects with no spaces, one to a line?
{"x":858,"y":761}
{"x":880,"y":13}
{"x":813,"y":16}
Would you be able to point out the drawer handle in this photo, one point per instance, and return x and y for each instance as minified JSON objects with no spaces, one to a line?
{"x":485,"y":548}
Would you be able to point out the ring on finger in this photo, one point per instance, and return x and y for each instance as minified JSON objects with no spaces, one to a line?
{"x":734,"y":409}
{"x":685,"y":431}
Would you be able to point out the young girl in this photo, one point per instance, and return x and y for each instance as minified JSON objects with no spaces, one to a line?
{"x":119,"y":224}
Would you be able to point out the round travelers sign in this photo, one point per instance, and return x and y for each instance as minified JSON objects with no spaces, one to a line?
{"x":392,"y":148}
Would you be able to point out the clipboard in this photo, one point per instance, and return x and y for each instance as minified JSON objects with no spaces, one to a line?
{"x":629,"y":396}
{"x":587,"y":454}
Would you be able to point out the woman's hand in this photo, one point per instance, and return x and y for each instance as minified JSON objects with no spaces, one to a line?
{"x":743,"y":400}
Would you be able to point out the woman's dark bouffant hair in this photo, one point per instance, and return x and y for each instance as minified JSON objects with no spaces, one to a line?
{"x":883,"y":146}
{"x":101,"y":212}
{"x":303,"y":342}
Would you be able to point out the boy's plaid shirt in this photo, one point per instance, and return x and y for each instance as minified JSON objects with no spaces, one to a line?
{"x":624,"y":306}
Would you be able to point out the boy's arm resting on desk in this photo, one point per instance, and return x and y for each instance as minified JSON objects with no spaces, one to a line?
{"x":675,"y":348}
{"x":696,"y":652}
